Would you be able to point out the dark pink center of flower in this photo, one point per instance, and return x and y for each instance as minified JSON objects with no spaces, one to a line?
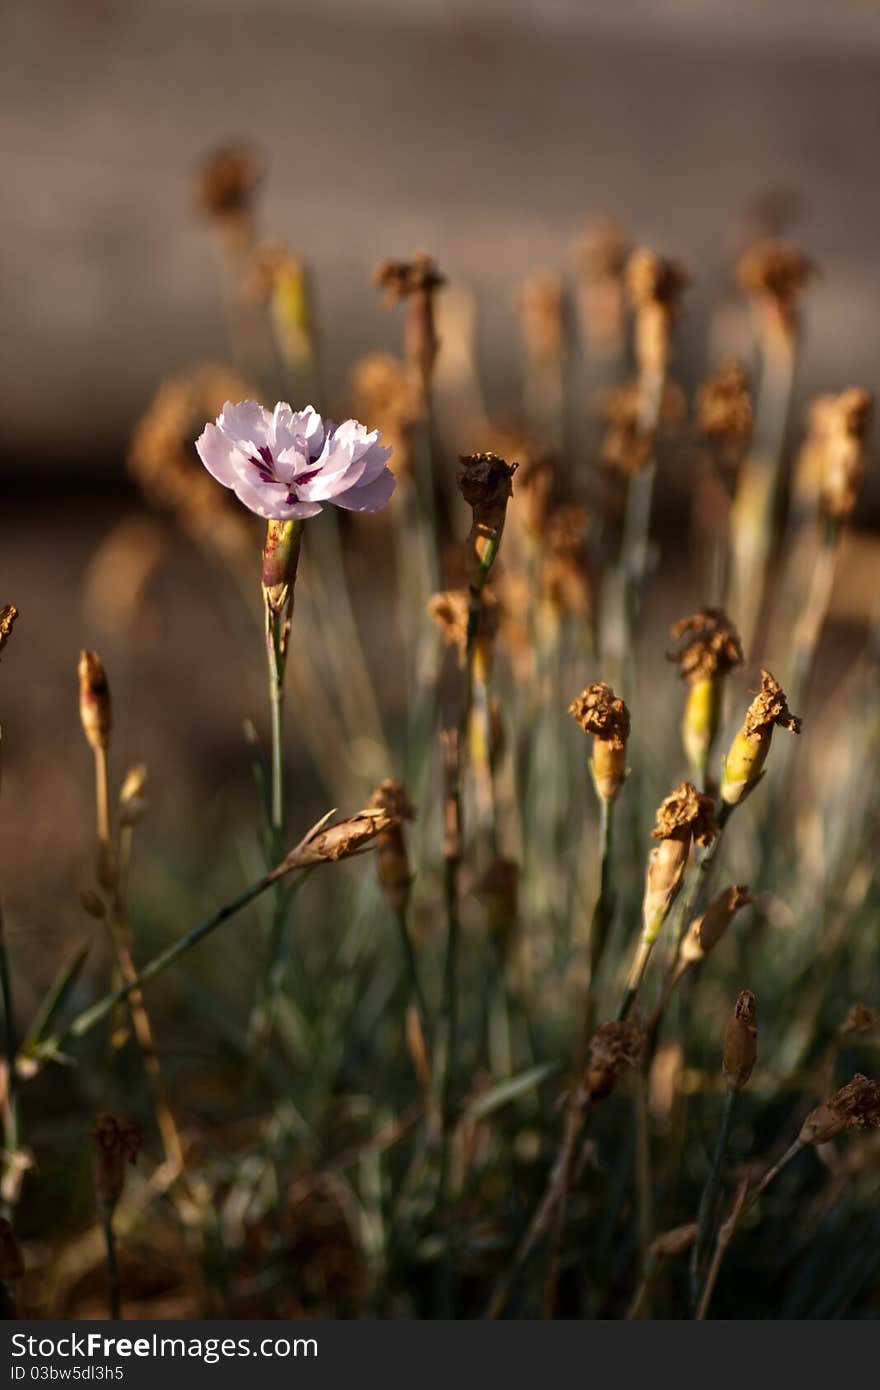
{"x":265,"y":466}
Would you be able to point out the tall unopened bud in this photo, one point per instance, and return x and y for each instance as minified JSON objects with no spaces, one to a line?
{"x":95,"y":710}
{"x":711,"y":649}
{"x":748,"y":752}
{"x":741,"y":1042}
{"x":599,"y":712}
{"x":392,"y":860}
{"x":133,"y":803}
{"x":116,"y":1144}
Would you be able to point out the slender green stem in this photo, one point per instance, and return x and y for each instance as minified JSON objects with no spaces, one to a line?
{"x":86,"y":1020}
{"x":276,"y":654}
{"x":412,"y":970}
{"x":604,"y":907}
{"x":114,"y":1295}
{"x":706,"y":1212}
{"x":449,"y":1098}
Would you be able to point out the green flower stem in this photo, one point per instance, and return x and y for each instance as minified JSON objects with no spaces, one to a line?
{"x":83,"y":1023}
{"x":114,"y":1295}
{"x":412,"y":971}
{"x":708,"y":1200}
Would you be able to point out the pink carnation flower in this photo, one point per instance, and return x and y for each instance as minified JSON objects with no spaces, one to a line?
{"x":284,"y":464}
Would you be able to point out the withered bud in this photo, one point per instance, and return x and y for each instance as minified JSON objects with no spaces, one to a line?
{"x":711,"y":646}
{"x":855,"y":1106}
{"x":613,"y":1047}
{"x":392,"y":860}
{"x":655,"y":287}
{"x":675,"y":1242}
{"x":848,"y":424}
{"x":8,"y":615}
{"x":11,"y":1257}
{"x":94,"y":700}
{"x":599,"y":712}
{"x":748,"y":752}
{"x":485,"y":483}
{"x":741,"y":1042}
{"x":273,"y":268}
{"x":227,"y":180}
{"x":724,"y":406}
{"x":769,"y":707}
{"x":417,"y":281}
{"x":542,"y":309}
{"x":116,"y":1142}
{"x":133,"y":803}
{"x":327,"y":842}
{"x":498,"y":890}
{"x":706,"y":931}
{"x":685,"y":814}
{"x":777,"y":275}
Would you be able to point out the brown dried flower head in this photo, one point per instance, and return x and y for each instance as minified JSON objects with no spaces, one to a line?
{"x":117,"y":1142}
{"x":599,"y":712}
{"x":855,"y":1106}
{"x":711,"y":647}
{"x":724,"y":406}
{"x":706,"y":931}
{"x":11,"y":1257}
{"x":847,"y":427}
{"x":392,"y":860}
{"x":686,"y":814}
{"x":627,"y":444}
{"x":613,"y":1047}
{"x":653,"y":279}
{"x":769,"y":707}
{"x":8,"y":615}
{"x":326,"y":843}
{"x":400,"y":279}
{"x":485,"y":481}
{"x":741,"y":1042}
{"x":95,"y":710}
{"x":227,"y":181}
{"x":776,"y":271}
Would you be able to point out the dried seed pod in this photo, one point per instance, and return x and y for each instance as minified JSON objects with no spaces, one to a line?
{"x":748,"y":752}
{"x":854,"y":1106}
{"x":392,"y":860}
{"x":741,"y":1042}
{"x":485,"y":481}
{"x":706,"y":931}
{"x":116,"y":1142}
{"x":599,"y":712}
{"x":327,"y":843}
{"x":613,"y":1047}
{"x":94,"y":700}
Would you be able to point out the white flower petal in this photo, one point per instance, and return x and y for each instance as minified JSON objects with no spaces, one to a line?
{"x":372,"y":497}
{"x":216,"y":451}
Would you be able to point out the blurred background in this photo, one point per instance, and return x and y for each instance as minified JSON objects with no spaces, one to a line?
{"x":485,"y":132}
